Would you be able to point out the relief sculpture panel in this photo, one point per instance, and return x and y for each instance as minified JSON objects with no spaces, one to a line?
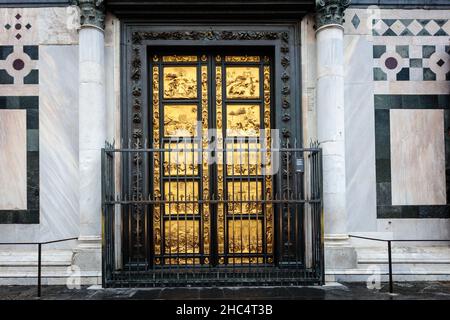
{"x":242,"y":82}
{"x":180,"y":120}
{"x":243,"y":120}
{"x":180,"y":82}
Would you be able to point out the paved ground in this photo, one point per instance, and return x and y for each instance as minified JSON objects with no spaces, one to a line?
{"x":346,"y":291}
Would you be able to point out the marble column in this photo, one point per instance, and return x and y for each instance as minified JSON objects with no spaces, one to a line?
{"x":92,"y":132}
{"x":331,"y":130}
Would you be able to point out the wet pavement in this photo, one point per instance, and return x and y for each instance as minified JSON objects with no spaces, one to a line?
{"x":334,"y":291}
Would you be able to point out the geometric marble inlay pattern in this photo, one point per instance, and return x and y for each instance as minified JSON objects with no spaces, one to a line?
{"x":19,"y":93}
{"x":410,"y":27}
{"x":392,"y":201}
{"x":30,"y":106}
{"x":19,"y":64}
{"x":429,"y":62}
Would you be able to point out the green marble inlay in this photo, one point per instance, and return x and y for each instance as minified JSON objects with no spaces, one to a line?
{"x":403,"y":51}
{"x":378,"y":51}
{"x":415,"y":63}
{"x":428,"y":74}
{"x":379,"y":75}
{"x":427,"y":51}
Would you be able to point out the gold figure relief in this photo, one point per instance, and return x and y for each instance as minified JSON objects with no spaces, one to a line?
{"x":205,"y":173}
{"x":243,"y":120}
{"x":245,"y":236}
{"x":243,"y":196}
{"x":180,"y":159}
{"x":181,"y":236}
{"x":180,"y":82}
{"x":220,"y":173}
{"x":180,"y":120}
{"x":156,"y":162}
{"x":175,"y":58}
{"x":181,"y":198}
{"x":243,"y":159}
{"x":242,"y":82}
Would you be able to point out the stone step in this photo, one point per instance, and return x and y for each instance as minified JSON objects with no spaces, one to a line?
{"x":30,"y":258}
{"x":433,"y":255}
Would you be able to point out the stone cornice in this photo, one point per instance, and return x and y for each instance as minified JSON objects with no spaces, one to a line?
{"x":330,"y":12}
{"x":92,"y":13}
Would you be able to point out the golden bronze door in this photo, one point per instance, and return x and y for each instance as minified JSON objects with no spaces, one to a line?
{"x":211,"y":115}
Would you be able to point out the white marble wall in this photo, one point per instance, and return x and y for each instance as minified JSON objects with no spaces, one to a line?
{"x":417,"y":157}
{"x":359,"y":127}
{"x":415,"y":228}
{"x":13,"y":160}
{"x":59,"y":141}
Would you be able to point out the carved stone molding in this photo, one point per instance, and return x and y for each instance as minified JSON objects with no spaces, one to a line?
{"x":92,"y":13}
{"x":330,"y":12}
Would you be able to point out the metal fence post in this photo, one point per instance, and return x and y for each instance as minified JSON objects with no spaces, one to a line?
{"x":39,"y":269}
{"x":391,"y":285}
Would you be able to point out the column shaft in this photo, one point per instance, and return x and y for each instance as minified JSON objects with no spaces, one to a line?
{"x":330,"y":125}
{"x":92,"y":129}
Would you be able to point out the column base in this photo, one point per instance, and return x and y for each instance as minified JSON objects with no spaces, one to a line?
{"x":87,"y":259}
{"x":339,"y":254}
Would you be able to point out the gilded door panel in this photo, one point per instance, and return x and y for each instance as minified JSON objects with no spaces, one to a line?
{"x":242,"y":82}
{"x":181,"y":197}
{"x":245,"y":223}
{"x":243,"y":120}
{"x":180,"y":82}
{"x":180,"y":120}
{"x":238,"y":221}
{"x":181,"y":159}
{"x":243,"y":158}
{"x":244,"y":196}
{"x":181,"y":237}
{"x":245,"y":236}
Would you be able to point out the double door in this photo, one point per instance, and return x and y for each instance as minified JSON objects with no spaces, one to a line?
{"x":211,"y":169}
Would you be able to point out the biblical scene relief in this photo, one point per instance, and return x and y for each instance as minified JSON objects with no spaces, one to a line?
{"x":243,"y":159}
{"x":181,"y":236}
{"x":242,"y":82}
{"x":245,"y":236}
{"x":182,"y":197}
{"x":242,"y":193}
{"x":243,"y":120}
{"x":181,"y":159}
{"x":180,"y":82}
{"x":180,"y":120}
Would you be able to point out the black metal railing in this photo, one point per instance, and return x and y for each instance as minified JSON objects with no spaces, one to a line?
{"x":39,"y":256}
{"x":389,"y":252}
{"x":241,"y":224}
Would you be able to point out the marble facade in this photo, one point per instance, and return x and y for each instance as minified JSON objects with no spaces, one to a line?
{"x":381,"y":115}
